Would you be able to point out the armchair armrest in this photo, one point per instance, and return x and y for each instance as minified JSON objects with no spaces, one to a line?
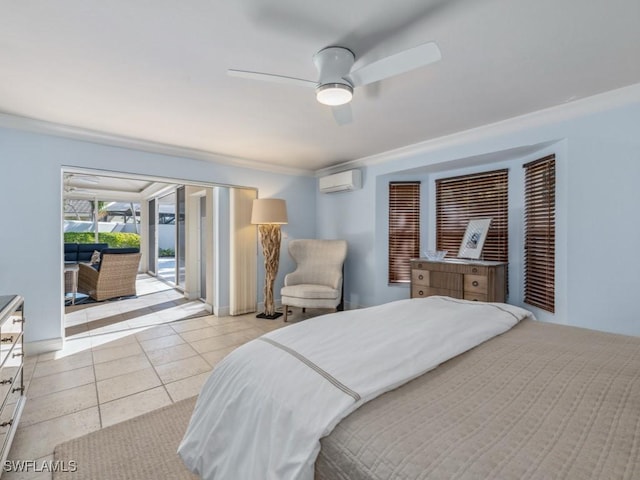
{"x":87,"y":278}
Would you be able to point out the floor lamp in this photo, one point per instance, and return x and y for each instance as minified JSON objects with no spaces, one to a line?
{"x":269,"y":214}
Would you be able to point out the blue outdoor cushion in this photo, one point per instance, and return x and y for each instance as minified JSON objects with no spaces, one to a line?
{"x":121,"y":250}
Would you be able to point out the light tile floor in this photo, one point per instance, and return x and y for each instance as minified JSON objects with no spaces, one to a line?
{"x":122,"y":359}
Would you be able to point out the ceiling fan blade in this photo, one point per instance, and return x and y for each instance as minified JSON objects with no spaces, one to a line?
{"x":396,"y":64}
{"x":342,"y":114}
{"x":268,"y":77}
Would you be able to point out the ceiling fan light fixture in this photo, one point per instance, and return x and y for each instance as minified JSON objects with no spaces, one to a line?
{"x":334,"y":94}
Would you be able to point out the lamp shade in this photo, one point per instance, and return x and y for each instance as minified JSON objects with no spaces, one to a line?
{"x":269,"y":210}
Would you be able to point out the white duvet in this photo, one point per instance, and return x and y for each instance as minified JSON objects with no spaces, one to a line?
{"x":265,"y":407}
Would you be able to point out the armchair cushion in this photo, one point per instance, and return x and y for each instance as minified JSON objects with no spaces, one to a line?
{"x":305,"y":290}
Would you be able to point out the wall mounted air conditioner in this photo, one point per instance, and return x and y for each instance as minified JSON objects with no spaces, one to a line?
{"x":341,"y":182}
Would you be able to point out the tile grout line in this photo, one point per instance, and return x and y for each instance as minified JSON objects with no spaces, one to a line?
{"x":95,"y":383}
{"x":155,"y":371}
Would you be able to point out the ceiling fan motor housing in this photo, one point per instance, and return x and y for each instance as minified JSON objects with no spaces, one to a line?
{"x":333,"y":64}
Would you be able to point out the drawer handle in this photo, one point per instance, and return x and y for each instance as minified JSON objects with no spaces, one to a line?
{"x":17,"y":389}
{"x":474,"y":270}
{"x":4,"y":382}
{"x":6,"y":339}
{"x":421,"y":277}
{"x":475,"y":283}
{"x":420,"y":292}
{"x":17,"y":355}
{"x":19,"y":320}
{"x":419,"y":265}
{"x":6,"y":424}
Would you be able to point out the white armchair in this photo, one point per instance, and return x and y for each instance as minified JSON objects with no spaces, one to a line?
{"x":317,"y":280}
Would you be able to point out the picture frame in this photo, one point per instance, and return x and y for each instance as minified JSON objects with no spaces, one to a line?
{"x":474,"y":237}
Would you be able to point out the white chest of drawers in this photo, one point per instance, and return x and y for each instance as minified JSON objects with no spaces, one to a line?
{"x":11,"y":369}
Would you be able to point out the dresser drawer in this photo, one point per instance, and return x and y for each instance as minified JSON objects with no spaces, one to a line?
{"x":8,"y":414}
{"x":9,"y":379}
{"x":419,"y":277}
{"x":418,"y":291}
{"x":475,"y":284}
{"x":450,"y":281}
{"x":476,"y":270}
{"x":475,"y":297}
{"x":11,"y":353}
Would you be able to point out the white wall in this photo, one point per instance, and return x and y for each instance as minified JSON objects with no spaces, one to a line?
{"x":31,"y":184}
{"x":597,"y":149}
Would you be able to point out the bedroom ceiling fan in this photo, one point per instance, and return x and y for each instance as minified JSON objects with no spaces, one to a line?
{"x":337,"y":80}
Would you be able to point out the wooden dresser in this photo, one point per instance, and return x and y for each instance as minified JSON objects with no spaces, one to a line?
{"x":468,"y":279}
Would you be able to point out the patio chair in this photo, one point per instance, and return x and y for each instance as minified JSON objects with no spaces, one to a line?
{"x":114,"y":277}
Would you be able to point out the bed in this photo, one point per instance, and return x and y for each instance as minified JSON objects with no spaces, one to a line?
{"x":528,"y":400}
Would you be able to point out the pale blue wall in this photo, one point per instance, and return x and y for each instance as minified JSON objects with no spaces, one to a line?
{"x":30,"y":192}
{"x":598,"y":195}
{"x":597,"y":149}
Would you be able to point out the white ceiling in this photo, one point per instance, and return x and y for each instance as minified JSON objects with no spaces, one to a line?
{"x":156,"y":70}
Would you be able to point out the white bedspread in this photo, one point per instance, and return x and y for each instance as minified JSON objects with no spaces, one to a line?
{"x":264,"y":408}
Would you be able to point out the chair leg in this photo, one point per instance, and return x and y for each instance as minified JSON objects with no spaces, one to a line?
{"x":285,"y":309}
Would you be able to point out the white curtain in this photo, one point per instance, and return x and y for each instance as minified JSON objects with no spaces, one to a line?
{"x":244,"y":253}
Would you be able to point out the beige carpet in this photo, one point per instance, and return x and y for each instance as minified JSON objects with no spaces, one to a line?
{"x":142,"y":448}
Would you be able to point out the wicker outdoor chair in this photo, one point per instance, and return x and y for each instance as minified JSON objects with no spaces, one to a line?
{"x":115,"y":278}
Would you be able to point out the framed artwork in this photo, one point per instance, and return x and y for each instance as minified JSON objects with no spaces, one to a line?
{"x":474,"y":237}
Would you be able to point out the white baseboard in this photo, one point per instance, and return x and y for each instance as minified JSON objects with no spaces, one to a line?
{"x":43,"y":346}
{"x":221,"y":311}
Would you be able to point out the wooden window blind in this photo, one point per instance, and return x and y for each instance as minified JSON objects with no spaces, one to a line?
{"x":404,"y":229}
{"x":540,"y":232}
{"x":468,"y":197}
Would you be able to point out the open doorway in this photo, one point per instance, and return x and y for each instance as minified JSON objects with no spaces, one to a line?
{"x":151,"y":215}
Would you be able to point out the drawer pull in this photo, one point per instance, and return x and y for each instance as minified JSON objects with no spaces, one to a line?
{"x":474,"y":270}
{"x":6,"y":424}
{"x":17,"y":389}
{"x":421,"y":277}
{"x":420,"y":292}
{"x":6,"y":339}
{"x":18,"y":320}
{"x":8,"y":380}
{"x":19,"y":354}
{"x":475,"y":283}
{"x":419,"y":265}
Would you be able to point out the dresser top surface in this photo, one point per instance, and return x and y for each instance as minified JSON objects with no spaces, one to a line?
{"x":460,"y":261}
{"x":8,"y":303}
